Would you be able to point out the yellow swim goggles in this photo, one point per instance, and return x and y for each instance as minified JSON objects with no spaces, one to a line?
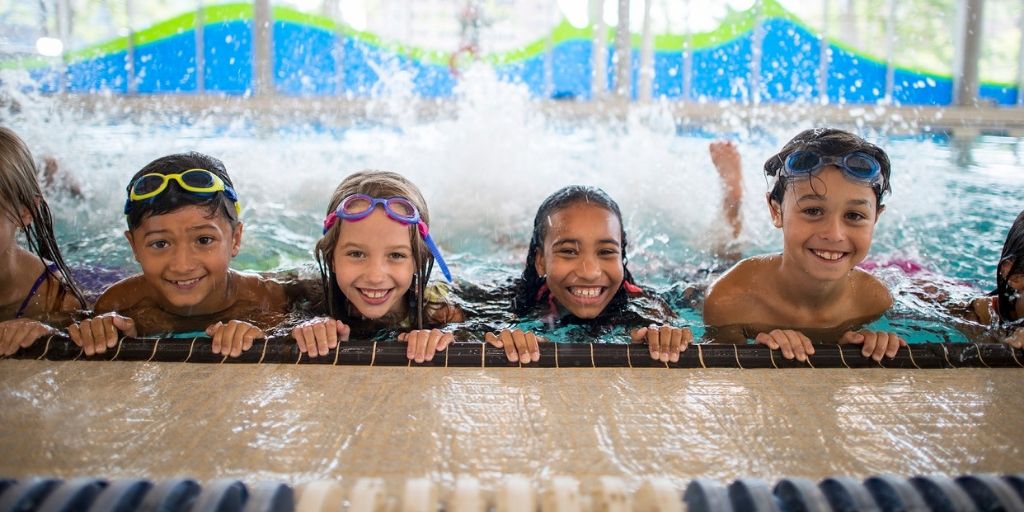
{"x":197,"y":181}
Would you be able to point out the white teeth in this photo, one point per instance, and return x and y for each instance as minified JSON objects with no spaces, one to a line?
{"x":585,"y":292}
{"x":374,"y":294}
{"x":829,"y":255}
{"x":190,"y":282}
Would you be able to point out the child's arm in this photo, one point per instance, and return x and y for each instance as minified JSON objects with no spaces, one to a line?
{"x":439,"y":311}
{"x":423,"y":343}
{"x":95,"y":335}
{"x":874,"y":344}
{"x":791,"y":342}
{"x":1016,"y":338}
{"x":233,"y":337}
{"x":664,"y":342}
{"x":874,"y":300}
{"x":519,"y":345}
{"x":21,"y":333}
{"x":318,"y":336}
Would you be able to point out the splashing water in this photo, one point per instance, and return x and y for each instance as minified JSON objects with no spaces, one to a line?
{"x":489,"y":158}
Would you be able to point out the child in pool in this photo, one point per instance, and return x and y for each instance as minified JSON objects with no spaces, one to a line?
{"x":576,"y":271}
{"x":1003,"y":308}
{"x":827,"y":198}
{"x":36,"y":287}
{"x":184,"y":228}
{"x":375,"y":257}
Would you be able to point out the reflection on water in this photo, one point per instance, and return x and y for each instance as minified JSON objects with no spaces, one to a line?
{"x":485,"y":167}
{"x":299,"y":424}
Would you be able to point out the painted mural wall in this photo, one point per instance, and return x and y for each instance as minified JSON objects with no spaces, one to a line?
{"x":314,"y":56}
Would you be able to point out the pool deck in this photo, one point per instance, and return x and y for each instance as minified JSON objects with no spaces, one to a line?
{"x":717,"y":116}
{"x":304,"y":423}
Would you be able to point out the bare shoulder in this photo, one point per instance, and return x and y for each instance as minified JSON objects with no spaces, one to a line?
{"x":980,"y":310}
{"x":258,"y":293}
{"x":872,"y":296}
{"x":732,"y":296}
{"x":123,"y":295}
{"x":258,"y":283}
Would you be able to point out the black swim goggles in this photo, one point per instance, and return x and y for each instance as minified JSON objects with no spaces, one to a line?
{"x":858,"y":166}
{"x":195,"y":181}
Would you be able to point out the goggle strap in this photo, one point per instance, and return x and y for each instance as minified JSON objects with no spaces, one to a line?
{"x":422,"y":227}
{"x":329,"y":221}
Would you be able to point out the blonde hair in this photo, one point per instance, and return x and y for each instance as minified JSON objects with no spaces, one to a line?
{"x":381,"y":184}
{"x":19,"y":189}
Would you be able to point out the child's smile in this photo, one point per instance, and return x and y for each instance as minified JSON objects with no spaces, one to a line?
{"x":185,"y":255}
{"x":582,"y":258}
{"x":828,"y":222}
{"x":373,"y":264}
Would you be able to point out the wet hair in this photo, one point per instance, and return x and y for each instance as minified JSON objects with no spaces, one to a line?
{"x":19,"y":188}
{"x":376,"y":184}
{"x":1013,"y":250}
{"x":529,"y":284}
{"x":828,"y":142}
{"x":174,"y":197}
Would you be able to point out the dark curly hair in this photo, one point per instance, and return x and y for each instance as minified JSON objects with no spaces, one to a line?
{"x":828,"y":142}
{"x":174,"y":197}
{"x":529,"y":284}
{"x":1013,"y":251}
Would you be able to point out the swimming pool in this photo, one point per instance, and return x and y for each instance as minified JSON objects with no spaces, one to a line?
{"x":485,"y":165}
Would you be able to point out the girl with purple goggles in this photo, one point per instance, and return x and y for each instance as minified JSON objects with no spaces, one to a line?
{"x":359,"y":206}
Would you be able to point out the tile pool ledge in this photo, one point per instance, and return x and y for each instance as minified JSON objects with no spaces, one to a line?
{"x":283,"y":350}
{"x":893,"y":119}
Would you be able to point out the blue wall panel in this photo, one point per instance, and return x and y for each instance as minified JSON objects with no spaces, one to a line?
{"x":789,"y":63}
{"x":303,"y":60}
{"x":1000,"y":94}
{"x":722,"y":72}
{"x":668,"y":74}
{"x":852,"y":79}
{"x":570,"y":64}
{"x":106,"y":73}
{"x":228,"y":53}
{"x":304,"y":64}
{"x":167,"y":65}
{"x":911,"y":88}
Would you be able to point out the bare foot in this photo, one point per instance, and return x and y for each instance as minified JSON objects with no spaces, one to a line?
{"x":727,"y":162}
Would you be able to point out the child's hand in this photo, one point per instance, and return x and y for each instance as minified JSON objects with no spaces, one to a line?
{"x":96,"y":335}
{"x":875,"y":344}
{"x":318,"y":336}
{"x":20,"y":333}
{"x":665,"y":342}
{"x":234,"y":337}
{"x":1016,"y":339}
{"x":424,"y":342}
{"x":519,"y":345}
{"x":792,"y":343}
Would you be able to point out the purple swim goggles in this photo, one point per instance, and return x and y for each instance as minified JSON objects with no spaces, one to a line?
{"x":359,"y":206}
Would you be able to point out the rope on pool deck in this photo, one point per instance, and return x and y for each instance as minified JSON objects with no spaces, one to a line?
{"x":552,"y":355}
{"x":517,"y":493}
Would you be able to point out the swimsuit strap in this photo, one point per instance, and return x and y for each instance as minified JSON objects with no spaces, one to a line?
{"x":51,"y":268}
{"x":995,"y":305}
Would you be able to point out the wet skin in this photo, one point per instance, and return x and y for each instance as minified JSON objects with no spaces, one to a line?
{"x":373,"y":263}
{"x":582,"y":258}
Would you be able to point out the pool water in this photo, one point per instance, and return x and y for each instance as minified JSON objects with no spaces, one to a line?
{"x":486,"y":167}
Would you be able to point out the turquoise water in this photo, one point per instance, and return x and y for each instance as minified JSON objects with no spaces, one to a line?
{"x":485,"y":168}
